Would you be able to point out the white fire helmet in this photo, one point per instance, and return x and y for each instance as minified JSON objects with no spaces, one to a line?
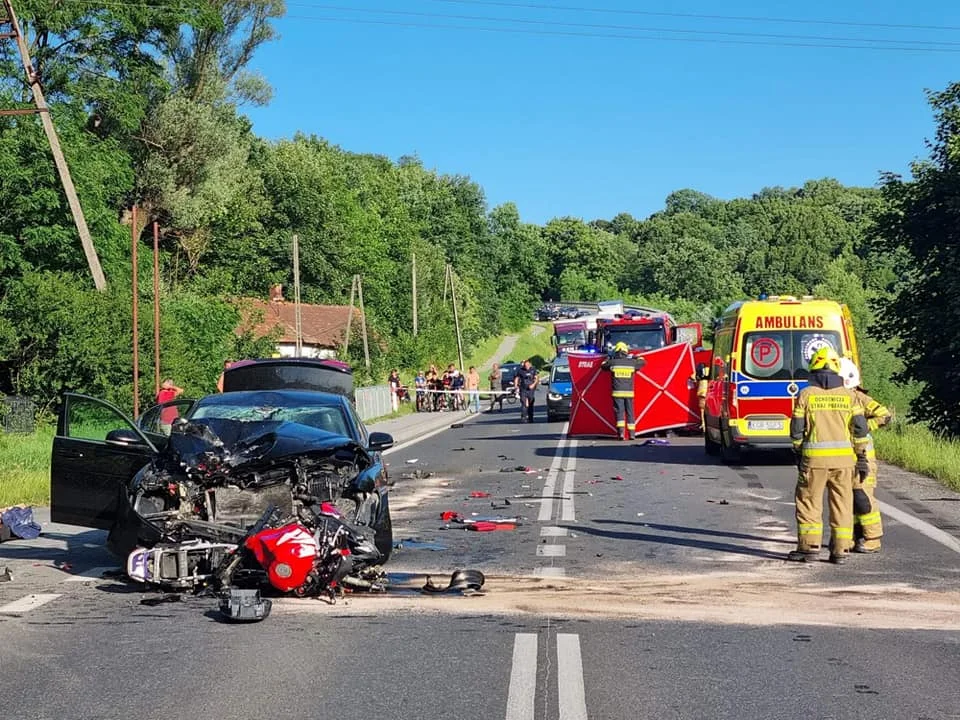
{"x":850,"y":373}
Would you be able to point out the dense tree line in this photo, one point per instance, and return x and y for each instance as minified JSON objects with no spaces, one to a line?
{"x":148,"y":100}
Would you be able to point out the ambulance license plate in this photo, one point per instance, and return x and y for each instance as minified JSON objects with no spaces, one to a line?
{"x":765,"y":424}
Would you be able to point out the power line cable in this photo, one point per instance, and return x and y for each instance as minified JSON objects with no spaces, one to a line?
{"x":626,"y":28}
{"x":815,"y":41}
{"x":697,"y":16}
{"x":621,"y":36}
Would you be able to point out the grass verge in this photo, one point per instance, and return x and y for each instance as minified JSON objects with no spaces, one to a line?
{"x":25,"y":467}
{"x":915,"y":448}
{"x":535,"y":344}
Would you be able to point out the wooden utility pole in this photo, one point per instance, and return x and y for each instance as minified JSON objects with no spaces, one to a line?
{"x":414,"y":283}
{"x":156,"y":307}
{"x":43,"y":110}
{"x":296,"y":293}
{"x":456,"y":316}
{"x":363,"y":323}
{"x":346,"y":335}
{"x":134,"y":237}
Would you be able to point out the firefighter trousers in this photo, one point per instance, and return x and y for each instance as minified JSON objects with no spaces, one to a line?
{"x":809,"y":500}
{"x":867,"y":523}
{"x":623,"y":408}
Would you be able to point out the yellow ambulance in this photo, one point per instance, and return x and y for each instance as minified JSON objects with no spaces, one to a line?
{"x":761,"y":351}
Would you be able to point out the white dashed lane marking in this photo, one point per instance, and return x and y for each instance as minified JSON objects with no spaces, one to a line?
{"x":549,"y":572}
{"x":28,"y":603}
{"x":551,"y":550}
{"x":552,"y":531}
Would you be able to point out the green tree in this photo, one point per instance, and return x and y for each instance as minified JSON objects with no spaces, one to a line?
{"x":923,"y":217}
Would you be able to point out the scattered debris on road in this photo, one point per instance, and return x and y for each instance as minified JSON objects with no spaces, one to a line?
{"x":657,"y":442}
{"x":17,"y":523}
{"x":6,"y":575}
{"x":719,"y":502}
{"x":414,"y":544}
{"x":462,"y":582}
{"x":416,"y":475}
{"x":413,"y":461}
{"x":161,"y":599}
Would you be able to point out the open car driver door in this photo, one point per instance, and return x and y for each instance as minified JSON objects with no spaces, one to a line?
{"x":96,"y":449}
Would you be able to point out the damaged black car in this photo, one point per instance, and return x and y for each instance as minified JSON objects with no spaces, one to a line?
{"x":194,"y":487}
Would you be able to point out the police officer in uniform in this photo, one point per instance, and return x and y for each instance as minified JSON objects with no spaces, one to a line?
{"x":829,"y":433}
{"x":867,"y":524}
{"x":623,"y":367}
{"x":527,"y":380}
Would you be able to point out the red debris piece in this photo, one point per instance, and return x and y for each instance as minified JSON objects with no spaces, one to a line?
{"x":479,"y":494}
{"x":450,"y":516}
{"x":617,"y":477}
{"x":484,"y":526}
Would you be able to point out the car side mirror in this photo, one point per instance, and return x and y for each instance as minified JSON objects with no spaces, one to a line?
{"x":380,"y":441}
{"x":124,"y":436}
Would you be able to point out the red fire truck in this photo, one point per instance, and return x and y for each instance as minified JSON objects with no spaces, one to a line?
{"x":665,"y":388}
{"x":649,"y":331}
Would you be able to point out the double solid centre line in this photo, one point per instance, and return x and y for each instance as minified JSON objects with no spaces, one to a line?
{"x":566,"y":450}
{"x":522,"y":695}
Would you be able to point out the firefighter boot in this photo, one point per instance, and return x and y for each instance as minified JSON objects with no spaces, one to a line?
{"x":809,"y":555}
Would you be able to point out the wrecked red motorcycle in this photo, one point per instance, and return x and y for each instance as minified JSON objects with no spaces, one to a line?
{"x":252,"y":505}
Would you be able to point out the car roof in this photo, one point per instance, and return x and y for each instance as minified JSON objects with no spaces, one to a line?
{"x":312,"y":397}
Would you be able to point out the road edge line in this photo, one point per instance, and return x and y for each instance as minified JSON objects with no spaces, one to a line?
{"x":921,"y":526}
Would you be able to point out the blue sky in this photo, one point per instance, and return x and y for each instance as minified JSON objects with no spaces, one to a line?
{"x":594,"y":126}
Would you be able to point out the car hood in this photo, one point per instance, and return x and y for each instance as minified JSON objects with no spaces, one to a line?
{"x":562,"y":388}
{"x":213,"y":444}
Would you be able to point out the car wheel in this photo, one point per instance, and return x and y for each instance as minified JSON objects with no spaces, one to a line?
{"x":712,"y":447}
{"x":729,"y":454}
{"x":383,"y":538}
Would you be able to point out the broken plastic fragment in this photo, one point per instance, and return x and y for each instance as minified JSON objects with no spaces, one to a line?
{"x":411,"y":544}
{"x":484,"y":526}
{"x":479,"y":494}
{"x":413,"y":461}
{"x":464,"y":582}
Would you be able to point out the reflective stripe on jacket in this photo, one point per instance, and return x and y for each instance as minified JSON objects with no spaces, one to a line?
{"x":828,"y":424}
{"x":622,"y":368}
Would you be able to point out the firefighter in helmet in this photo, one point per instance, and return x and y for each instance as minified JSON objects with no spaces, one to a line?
{"x":623,"y":366}
{"x":830,"y":436}
{"x":867,"y":525}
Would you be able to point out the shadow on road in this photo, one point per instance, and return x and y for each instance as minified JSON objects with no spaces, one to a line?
{"x":677,"y":541}
{"x":42,"y":548}
{"x":679,"y":454}
{"x":695,"y":531}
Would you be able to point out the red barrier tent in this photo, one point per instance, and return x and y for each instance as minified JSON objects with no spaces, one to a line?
{"x":664,"y":393}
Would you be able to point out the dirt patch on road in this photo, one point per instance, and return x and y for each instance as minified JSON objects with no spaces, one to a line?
{"x":726,"y":598}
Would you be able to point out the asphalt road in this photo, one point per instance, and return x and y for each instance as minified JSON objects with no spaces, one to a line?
{"x":642,"y":582}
